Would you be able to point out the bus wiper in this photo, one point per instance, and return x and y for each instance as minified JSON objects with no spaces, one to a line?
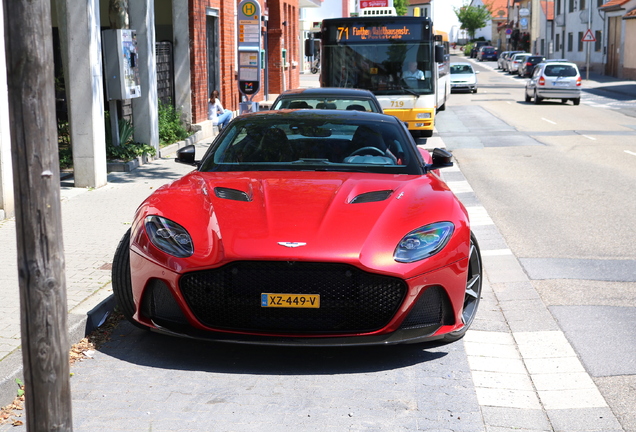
{"x":408,"y":90}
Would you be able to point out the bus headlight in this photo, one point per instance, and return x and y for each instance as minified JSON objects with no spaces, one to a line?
{"x":423,"y":115}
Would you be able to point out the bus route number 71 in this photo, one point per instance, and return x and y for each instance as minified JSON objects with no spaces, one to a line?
{"x":343,"y":32}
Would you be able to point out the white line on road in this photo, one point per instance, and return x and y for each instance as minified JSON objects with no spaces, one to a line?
{"x":589,"y":137}
{"x":630,"y":152}
{"x":549,"y":121}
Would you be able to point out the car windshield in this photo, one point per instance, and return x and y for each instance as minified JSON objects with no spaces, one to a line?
{"x":325,"y":103}
{"x":306,"y":141}
{"x":560,"y":70}
{"x":461,"y":69}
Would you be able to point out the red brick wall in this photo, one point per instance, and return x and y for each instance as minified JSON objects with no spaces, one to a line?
{"x":279,"y":36}
{"x":198,"y":56}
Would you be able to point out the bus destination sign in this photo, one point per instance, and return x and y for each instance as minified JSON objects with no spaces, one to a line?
{"x":390,"y":31}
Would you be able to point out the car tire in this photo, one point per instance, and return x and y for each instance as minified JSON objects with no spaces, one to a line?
{"x":537,"y":99}
{"x":576,"y":101}
{"x":528,"y":98}
{"x":122,"y":286}
{"x":475,"y":90}
{"x":472,"y":294}
{"x":564,"y":101}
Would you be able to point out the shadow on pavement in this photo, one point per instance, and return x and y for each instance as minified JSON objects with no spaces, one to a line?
{"x":146,"y":348}
{"x":619,"y":91}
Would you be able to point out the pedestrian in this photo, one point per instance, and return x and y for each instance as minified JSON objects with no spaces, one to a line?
{"x":220,"y":117}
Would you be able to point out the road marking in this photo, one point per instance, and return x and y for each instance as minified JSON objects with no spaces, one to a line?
{"x":549,"y":121}
{"x":630,"y":152}
{"x":589,"y":137}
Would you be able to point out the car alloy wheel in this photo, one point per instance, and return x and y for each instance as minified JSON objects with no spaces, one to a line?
{"x":472,"y":294}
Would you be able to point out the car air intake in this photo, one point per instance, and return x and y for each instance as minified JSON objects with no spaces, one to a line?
{"x":374,"y":196}
{"x":433,"y":307}
{"x":351,"y":300}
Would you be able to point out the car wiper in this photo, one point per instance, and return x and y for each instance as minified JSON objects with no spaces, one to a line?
{"x":311,"y":161}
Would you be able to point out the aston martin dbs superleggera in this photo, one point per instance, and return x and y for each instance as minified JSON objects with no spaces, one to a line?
{"x":304,"y":227}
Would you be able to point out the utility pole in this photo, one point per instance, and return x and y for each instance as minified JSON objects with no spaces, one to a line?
{"x":36,"y":173}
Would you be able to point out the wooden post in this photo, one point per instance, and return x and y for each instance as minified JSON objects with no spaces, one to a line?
{"x":29,"y":52}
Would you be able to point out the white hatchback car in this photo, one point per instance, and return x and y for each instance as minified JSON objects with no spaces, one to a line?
{"x":463,"y":77}
{"x":554,"y":80}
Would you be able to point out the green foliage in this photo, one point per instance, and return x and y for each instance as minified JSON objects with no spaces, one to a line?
{"x":472,"y":18}
{"x":64,"y":148}
{"x":20,"y":384}
{"x":468,"y":48}
{"x":170,"y":127}
{"x":401,"y":6}
{"x":127,"y":149}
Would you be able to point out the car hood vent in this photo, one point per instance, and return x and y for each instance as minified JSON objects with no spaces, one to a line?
{"x":231,"y":194}
{"x":374,"y":196}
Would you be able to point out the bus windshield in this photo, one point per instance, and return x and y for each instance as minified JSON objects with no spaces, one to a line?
{"x":396,"y":67}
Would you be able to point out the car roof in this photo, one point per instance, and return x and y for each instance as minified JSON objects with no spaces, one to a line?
{"x":325,"y":113}
{"x":328,"y":91}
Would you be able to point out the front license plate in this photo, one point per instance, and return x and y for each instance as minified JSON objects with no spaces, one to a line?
{"x":290,"y":300}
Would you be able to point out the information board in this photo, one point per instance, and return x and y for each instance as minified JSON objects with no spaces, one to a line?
{"x":249,"y":46}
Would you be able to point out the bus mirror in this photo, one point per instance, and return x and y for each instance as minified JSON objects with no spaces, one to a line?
{"x":309,"y":47}
{"x":439,"y":54}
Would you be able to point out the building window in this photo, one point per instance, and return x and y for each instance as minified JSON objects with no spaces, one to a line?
{"x":570,"y":41}
{"x":558,"y":42}
{"x":581,"y":4}
{"x":599,"y":3}
{"x":598,"y":35}
{"x":558,"y":7}
{"x":571,"y":9}
{"x":580,"y":41}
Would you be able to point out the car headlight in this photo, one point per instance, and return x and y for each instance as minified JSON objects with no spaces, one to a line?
{"x":169,"y":236}
{"x":423,"y":115}
{"x":423,"y":242}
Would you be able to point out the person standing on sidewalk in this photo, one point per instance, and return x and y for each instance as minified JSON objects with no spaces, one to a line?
{"x":220,"y":117}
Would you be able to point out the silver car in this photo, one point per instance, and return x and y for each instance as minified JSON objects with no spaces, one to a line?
{"x":515,"y":60}
{"x":463,"y":77}
{"x":554,"y":80}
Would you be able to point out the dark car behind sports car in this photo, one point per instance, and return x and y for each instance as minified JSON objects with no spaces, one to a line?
{"x":328,"y":98}
{"x":304,"y":227}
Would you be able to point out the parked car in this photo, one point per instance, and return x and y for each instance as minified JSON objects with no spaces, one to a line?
{"x":487,"y":53}
{"x":515,"y":60}
{"x":502,"y":61}
{"x":304,"y":227}
{"x":463,"y":77}
{"x":328,"y":98}
{"x":525,"y":69}
{"x":554,"y":80}
{"x":476,"y":47}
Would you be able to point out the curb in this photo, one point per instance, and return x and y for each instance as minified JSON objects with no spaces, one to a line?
{"x":80,"y":323}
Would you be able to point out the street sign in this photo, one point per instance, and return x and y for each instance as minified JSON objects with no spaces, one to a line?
{"x":588,"y":36}
{"x":508,"y":32}
{"x":249,"y":47}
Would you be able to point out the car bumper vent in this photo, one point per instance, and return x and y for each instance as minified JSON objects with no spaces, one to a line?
{"x":351,"y":300}
{"x":159,"y":305}
{"x":433,"y":307}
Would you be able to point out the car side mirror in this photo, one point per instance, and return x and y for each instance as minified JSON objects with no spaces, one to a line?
{"x":441,"y":159}
{"x":185,"y":155}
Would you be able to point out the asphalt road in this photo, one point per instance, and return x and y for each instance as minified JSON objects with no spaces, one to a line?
{"x":558,"y":181}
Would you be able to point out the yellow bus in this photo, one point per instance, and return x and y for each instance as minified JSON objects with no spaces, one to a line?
{"x":402,"y":60}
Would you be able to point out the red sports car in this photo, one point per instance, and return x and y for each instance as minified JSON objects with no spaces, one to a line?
{"x":304,"y":227}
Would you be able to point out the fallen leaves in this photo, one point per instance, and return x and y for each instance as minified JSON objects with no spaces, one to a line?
{"x":84,"y":349}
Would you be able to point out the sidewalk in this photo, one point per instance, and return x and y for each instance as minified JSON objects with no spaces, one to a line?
{"x":93,"y":222}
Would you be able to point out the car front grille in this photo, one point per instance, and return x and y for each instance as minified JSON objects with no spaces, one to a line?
{"x":351,"y":300}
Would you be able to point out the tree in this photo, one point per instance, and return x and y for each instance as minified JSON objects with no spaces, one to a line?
{"x":472,"y":18}
{"x":400,"y":6}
